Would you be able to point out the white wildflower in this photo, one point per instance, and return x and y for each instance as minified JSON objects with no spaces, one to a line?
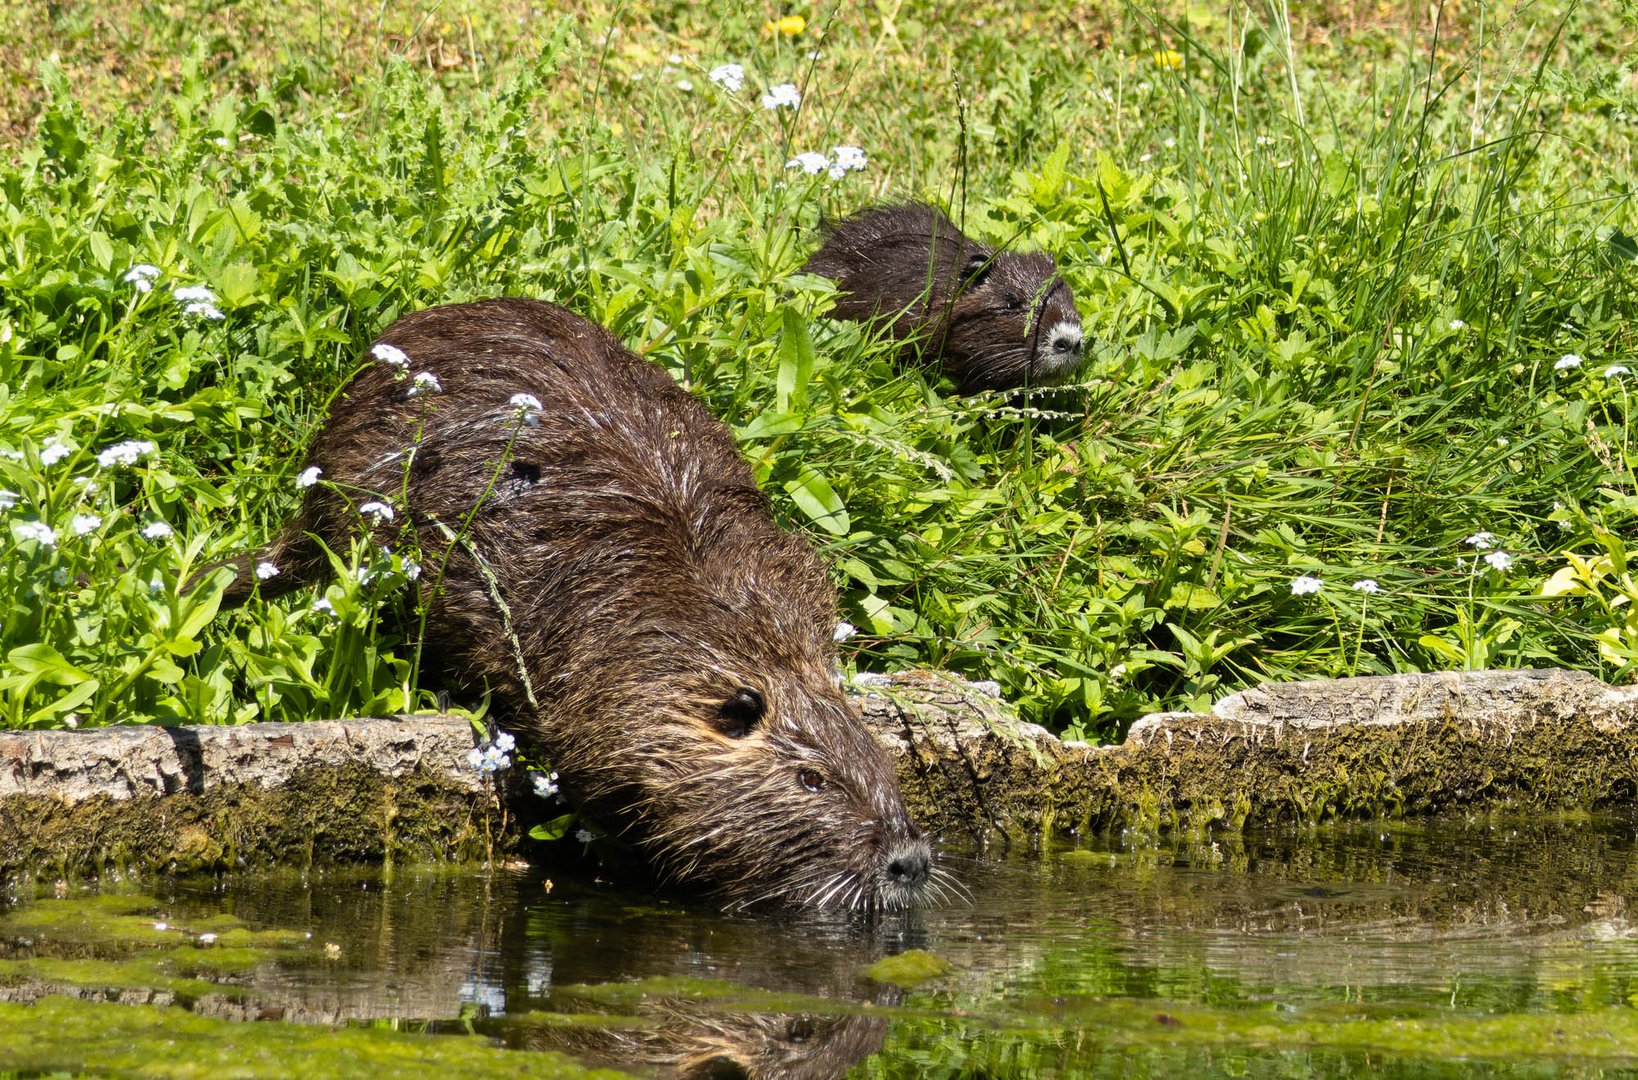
{"x":204,"y":310}
{"x":390,"y":354}
{"x":71,"y":720}
{"x":782,"y":96}
{"x":1567,"y":361}
{"x":583,"y":836}
{"x":85,"y":523}
{"x":425,"y":383}
{"x":412,"y":570}
{"x":378,"y":510}
{"x":1117,"y":673}
{"x":545,"y":785}
{"x":125,"y":453}
{"x":810,"y":162}
{"x":1367,"y":585}
{"x":8,"y":499}
{"x":1499,"y":560}
{"x":1457,"y":324}
{"x":1481,"y":540}
{"x":1305,"y":584}
{"x":156,"y":530}
{"x":323,"y":606}
{"x":527,"y":405}
{"x":488,"y":759}
{"x":37,"y":531}
{"x":847,"y":158}
{"x":685,"y":85}
{"x":843,"y":631}
{"x":265,"y":570}
{"x":731,"y":77}
{"x":206,"y":938}
{"x":1616,"y":369}
{"x":141,"y":277}
{"x":53,"y":451}
{"x":505,"y":742}
{"x":162,"y":927}
{"x":308,"y":476}
{"x":193,"y":294}
{"x":59,"y":576}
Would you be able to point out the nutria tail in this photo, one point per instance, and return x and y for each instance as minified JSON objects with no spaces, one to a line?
{"x":295,"y":558}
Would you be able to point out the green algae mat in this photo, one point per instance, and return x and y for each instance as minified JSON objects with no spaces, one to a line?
{"x":1475,"y":947}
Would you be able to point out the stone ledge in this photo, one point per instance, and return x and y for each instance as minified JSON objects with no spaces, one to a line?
{"x":202,"y":798}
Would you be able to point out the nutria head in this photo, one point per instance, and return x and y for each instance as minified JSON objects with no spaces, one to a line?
{"x":711,"y":730}
{"x":992,"y":320}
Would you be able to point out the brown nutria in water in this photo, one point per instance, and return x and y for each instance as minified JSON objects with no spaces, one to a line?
{"x":993,"y":320}
{"x":663,"y":643}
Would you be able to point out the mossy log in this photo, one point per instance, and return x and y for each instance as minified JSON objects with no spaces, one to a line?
{"x":206,"y":798}
{"x":1282,"y":753}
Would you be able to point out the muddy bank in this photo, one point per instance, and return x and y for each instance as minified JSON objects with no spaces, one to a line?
{"x":202,"y":798}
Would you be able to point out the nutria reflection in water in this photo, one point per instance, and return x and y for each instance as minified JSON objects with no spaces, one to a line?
{"x":992,"y":320}
{"x":623,"y":592}
{"x":687,"y":1042}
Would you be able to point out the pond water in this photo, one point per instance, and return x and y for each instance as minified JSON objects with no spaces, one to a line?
{"x":1480,"y":947}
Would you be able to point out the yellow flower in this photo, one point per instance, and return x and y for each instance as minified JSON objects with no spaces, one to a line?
{"x":1168,"y":58}
{"x":790,"y":26}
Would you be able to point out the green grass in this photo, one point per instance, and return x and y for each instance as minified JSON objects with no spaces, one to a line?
{"x":1328,"y":283}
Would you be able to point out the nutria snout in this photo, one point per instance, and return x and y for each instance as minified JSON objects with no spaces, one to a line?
{"x":623,"y":592}
{"x":992,"y":320}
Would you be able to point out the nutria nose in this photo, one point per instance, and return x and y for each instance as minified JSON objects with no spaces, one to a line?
{"x":909,"y":864}
{"x":1067,"y":341}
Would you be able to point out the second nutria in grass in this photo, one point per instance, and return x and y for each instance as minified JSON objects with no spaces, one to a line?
{"x":616,"y":579}
{"x":992,"y":320}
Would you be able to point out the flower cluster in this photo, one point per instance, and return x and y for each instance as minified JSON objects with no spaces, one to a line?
{"x":545,"y":784}
{"x":492,"y":757}
{"x":197,"y":300}
{"x":842,"y":160}
{"x":141,"y":277}
{"x":782,"y":96}
{"x":425,"y":383}
{"x":731,"y":77}
{"x":1306,"y":584}
{"x":391,"y":354}
{"x":126,"y":453}
{"x":526,"y":407}
{"x":308,"y":476}
{"x":53,"y":451}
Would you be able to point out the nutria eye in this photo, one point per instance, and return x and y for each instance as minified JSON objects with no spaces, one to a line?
{"x":812,"y":779}
{"x":1012,"y":302}
{"x":740,"y":713}
{"x":800,"y":1029}
{"x":976,"y":270}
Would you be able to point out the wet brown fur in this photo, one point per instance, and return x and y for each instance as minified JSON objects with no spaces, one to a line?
{"x":647,"y":586}
{"x":992,"y":320}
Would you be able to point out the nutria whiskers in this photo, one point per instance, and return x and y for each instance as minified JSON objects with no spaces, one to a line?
{"x":992,"y":320}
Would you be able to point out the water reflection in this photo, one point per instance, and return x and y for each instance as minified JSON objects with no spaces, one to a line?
{"x":1073,"y":958}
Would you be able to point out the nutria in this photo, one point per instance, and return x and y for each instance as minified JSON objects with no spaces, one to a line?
{"x":993,"y":320}
{"x":662,"y":643}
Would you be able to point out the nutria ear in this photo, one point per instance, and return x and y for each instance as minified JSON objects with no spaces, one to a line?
{"x":976,"y":270}
{"x":739,"y":715}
